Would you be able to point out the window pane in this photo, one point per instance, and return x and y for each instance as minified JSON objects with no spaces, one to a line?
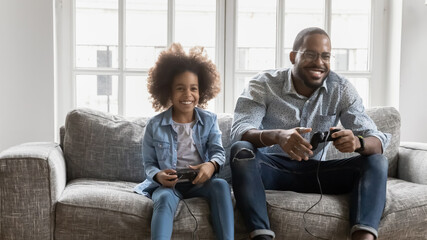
{"x":146,"y":32}
{"x":137,"y":97}
{"x":300,"y":14}
{"x":96,"y":34}
{"x":362,"y":87}
{"x":97,"y":92}
{"x":195,"y":24}
{"x":256,"y":35}
{"x":350,"y":35}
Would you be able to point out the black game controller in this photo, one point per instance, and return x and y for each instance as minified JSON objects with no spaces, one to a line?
{"x":320,"y":137}
{"x":186,"y":175}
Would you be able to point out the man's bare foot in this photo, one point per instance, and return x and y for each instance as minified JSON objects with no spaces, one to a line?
{"x":362,"y":235}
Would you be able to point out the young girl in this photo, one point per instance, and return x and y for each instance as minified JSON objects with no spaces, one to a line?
{"x":184,"y":136}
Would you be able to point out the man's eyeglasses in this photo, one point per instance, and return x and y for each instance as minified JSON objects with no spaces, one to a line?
{"x":312,"y":56}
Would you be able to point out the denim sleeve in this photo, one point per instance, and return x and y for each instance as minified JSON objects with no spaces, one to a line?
{"x":353,"y":117}
{"x":216,"y":151}
{"x":250,"y":109}
{"x":151,"y":165}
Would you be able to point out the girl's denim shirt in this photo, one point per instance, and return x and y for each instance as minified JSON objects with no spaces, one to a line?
{"x":159,"y":146}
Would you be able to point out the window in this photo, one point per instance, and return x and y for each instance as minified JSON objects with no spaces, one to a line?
{"x":115,"y":42}
{"x":118,"y":41}
{"x":266,"y":31}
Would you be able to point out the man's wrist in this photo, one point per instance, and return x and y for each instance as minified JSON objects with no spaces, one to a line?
{"x":262,"y":137}
{"x":361,"y":144}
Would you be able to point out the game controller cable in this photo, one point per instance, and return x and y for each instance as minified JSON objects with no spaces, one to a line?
{"x":188,"y":208}
{"x":320,"y":188}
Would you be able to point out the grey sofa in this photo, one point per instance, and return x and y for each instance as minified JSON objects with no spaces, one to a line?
{"x":82,"y":187}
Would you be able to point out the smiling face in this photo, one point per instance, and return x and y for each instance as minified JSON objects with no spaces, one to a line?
{"x":185,"y":96}
{"x":308,"y":75}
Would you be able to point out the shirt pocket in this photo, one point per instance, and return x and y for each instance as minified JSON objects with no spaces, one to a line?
{"x":163,"y":153}
{"x":324,"y":122}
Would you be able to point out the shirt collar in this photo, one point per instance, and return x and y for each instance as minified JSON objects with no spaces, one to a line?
{"x":289,"y":87}
{"x":167,"y":117}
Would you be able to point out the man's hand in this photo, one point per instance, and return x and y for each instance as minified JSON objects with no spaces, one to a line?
{"x":294,"y":144}
{"x":167,"y":178}
{"x":346,"y":141}
{"x":206,"y":170}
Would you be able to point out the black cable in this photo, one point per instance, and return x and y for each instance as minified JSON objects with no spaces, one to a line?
{"x":321,"y":192}
{"x":188,"y":208}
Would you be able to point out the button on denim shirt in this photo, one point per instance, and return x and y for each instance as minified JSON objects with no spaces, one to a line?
{"x":271,"y":102}
{"x":159,"y":146}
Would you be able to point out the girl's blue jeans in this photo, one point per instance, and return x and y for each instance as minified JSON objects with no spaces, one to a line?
{"x":364,"y":177}
{"x":215,"y":190}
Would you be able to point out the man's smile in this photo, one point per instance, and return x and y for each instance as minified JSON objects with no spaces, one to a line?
{"x":316,"y":73}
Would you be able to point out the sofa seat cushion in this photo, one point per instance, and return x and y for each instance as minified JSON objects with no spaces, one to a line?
{"x":95,"y":209}
{"x":405,"y":213}
{"x":328,"y":219}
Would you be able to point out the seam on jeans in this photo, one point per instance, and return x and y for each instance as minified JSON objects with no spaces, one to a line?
{"x":244,"y":159}
{"x":358,"y":200}
{"x":219,"y":215}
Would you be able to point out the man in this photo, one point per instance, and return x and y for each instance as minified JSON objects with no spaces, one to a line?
{"x":274,"y":120}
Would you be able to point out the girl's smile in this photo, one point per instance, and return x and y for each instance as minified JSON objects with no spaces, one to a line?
{"x":185,"y":96}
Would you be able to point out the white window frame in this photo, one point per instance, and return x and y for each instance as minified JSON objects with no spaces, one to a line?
{"x":225,"y":53}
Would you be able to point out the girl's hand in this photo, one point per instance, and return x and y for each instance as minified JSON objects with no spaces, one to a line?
{"x":206,"y":170}
{"x":167,"y":178}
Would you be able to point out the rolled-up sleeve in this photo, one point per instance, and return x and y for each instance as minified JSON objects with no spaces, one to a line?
{"x":354,"y":117}
{"x":216,"y":151}
{"x":250,"y":109}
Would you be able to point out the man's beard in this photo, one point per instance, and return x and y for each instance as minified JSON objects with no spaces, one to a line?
{"x":313,"y":85}
{"x":304,"y":76}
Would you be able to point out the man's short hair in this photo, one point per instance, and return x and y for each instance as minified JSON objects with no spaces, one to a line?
{"x":299,"y":39}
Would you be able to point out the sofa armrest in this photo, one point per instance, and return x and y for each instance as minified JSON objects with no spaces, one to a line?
{"x":412,"y":165}
{"x":32,"y":177}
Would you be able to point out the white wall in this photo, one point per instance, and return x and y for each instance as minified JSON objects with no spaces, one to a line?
{"x":26,"y":72}
{"x":413,"y":72}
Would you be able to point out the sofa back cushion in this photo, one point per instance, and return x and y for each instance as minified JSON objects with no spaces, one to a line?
{"x":387,"y":120}
{"x":103,"y":146}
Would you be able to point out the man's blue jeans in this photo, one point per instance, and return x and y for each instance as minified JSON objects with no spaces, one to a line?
{"x":215,"y":190}
{"x":253,"y":172}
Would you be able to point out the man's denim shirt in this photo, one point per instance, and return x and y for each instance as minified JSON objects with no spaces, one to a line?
{"x":271,"y":102}
{"x":159,"y":146}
